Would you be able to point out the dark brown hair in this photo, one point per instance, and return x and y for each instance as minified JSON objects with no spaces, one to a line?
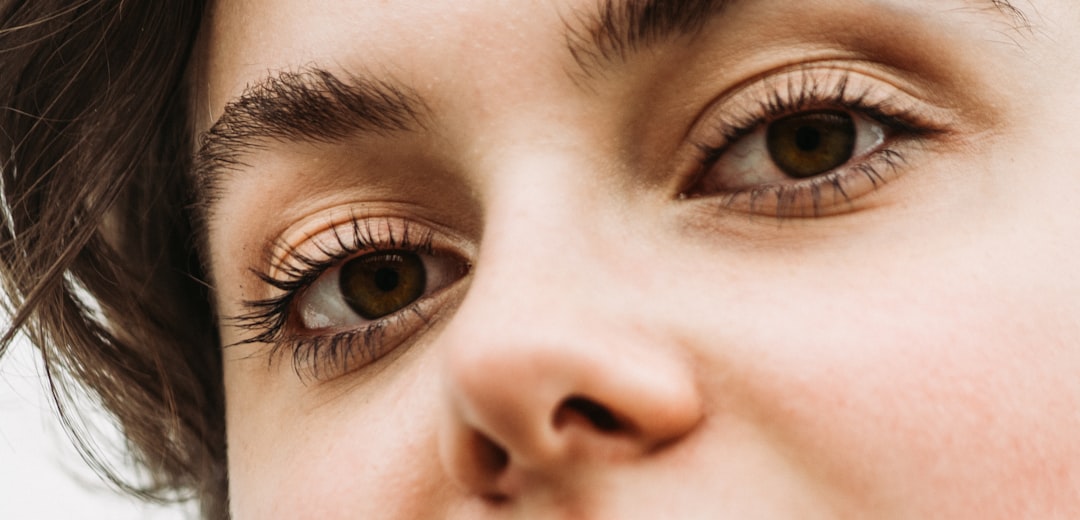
{"x":97,"y":251}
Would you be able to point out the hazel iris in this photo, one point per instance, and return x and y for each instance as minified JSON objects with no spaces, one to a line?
{"x":378,"y":284}
{"x":811,"y":143}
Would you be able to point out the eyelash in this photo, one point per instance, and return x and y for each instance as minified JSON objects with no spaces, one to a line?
{"x":316,"y":355}
{"x":807,"y":92}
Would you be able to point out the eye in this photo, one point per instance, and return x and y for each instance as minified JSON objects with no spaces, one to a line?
{"x":372,"y":286}
{"x":809,"y":141}
{"x":351,"y":293}
{"x":792,"y":148}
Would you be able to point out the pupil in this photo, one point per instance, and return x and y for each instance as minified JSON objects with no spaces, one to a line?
{"x":807,"y":138}
{"x":386,"y":279}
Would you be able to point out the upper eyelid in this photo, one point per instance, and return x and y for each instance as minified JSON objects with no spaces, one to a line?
{"x":753,"y":102}
{"x":331,"y":243}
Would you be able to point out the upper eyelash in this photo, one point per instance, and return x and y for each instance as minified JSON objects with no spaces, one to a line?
{"x":267,"y":319}
{"x":811,"y":93}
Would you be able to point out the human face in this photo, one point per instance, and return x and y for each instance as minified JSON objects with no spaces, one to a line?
{"x":744,"y":259}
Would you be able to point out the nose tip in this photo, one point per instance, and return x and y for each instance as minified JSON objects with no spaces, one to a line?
{"x":533,"y":412}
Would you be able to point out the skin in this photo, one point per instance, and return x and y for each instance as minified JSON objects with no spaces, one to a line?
{"x":910,"y":353}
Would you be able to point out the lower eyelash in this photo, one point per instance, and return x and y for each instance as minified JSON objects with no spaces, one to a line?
{"x":315,"y":356}
{"x":333,"y":352}
{"x":312,"y":356}
{"x":804,"y":199}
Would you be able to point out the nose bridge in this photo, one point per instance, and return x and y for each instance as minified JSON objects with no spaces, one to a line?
{"x":547,"y":255}
{"x":538,"y":287}
{"x":544,"y":234}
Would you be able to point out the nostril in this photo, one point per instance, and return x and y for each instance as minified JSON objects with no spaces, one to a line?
{"x":492,"y":457}
{"x":595,"y":413}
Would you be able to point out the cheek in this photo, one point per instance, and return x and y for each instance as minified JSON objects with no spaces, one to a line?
{"x":913,"y":389}
{"x":359,"y":452}
{"x":940,"y":418}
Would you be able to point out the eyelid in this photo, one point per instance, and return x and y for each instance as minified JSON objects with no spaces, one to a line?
{"x":910,"y":119}
{"x":335,"y":234}
{"x":757,"y":101}
{"x":305,"y":255}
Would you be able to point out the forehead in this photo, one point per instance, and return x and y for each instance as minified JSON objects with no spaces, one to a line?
{"x":245,"y":40}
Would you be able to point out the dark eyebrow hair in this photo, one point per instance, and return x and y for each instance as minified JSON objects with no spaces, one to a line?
{"x":308,"y":105}
{"x":621,"y":27}
{"x":313,"y":104}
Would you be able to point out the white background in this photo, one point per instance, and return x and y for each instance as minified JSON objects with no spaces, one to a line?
{"x":41,"y":475}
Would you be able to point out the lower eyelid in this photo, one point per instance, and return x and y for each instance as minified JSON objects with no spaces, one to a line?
{"x":342,"y":348}
{"x":833,"y":193}
{"x":330,"y":355}
{"x":325,"y":356}
{"x":738,"y":170}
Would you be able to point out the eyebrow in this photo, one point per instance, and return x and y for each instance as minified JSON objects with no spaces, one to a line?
{"x":619,"y":28}
{"x":313,"y":105}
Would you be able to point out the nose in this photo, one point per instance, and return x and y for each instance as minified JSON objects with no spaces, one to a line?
{"x":546,"y":376}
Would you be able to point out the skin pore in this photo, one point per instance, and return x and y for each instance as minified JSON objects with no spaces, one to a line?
{"x":616,"y":303}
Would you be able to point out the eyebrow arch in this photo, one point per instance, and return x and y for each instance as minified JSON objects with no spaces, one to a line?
{"x":312,"y":104}
{"x":619,"y":28}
